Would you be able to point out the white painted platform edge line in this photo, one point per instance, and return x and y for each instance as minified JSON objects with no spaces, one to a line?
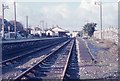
{"x":78,"y":51}
{"x":78,"y":54}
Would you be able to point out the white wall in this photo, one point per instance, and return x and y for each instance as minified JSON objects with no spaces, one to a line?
{"x":74,"y":34}
{"x":36,"y":32}
{"x":49,"y":32}
{"x":110,"y":34}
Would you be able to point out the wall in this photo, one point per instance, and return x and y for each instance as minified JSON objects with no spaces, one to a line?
{"x":109,"y":33}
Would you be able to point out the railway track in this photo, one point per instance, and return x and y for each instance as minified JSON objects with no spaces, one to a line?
{"x":52,"y":66}
{"x":72,"y":71}
{"x":19,"y":57}
{"x":15,"y":49}
{"x":62,"y":63}
{"x":85,"y":54}
{"x":15,"y":67}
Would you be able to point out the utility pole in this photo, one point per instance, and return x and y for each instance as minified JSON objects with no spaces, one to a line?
{"x":15,"y":28}
{"x":3,"y":33}
{"x":101,"y":17}
{"x":46,"y":25}
{"x":3,"y":28}
{"x":42,"y":24}
{"x":100,"y":4}
{"x":9,"y":31}
{"x":27,"y":26}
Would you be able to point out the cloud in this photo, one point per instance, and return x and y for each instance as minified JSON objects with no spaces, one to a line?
{"x":71,"y":16}
{"x":91,"y":12}
{"x":55,"y":11}
{"x":8,"y":12}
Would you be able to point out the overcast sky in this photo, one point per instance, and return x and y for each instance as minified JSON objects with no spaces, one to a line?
{"x":68,"y":14}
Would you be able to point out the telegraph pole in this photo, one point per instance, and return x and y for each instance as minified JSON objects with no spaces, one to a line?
{"x":100,"y":4}
{"x":101,"y":17}
{"x":43,"y":25}
{"x":15,"y":28}
{"x":3,"y":28}
{"x":27,"y":26}
{"x":3,"y":33}
{"x":46,"y":25}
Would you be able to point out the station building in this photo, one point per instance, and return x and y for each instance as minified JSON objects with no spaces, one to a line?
{"x":56,"y":32}
{"x":36,"y":31}
{"x":75,"y":33}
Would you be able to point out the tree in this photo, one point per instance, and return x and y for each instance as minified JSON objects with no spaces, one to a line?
{"x":80,"y":33}
{"x":19,"y":26}
{"x":89,"y":28}
{"x":6,"y":24}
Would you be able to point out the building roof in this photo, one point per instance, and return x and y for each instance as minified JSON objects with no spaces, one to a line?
{"x":50,"y":30}
{"x":37,"y":29}
{"x":58,"y":29}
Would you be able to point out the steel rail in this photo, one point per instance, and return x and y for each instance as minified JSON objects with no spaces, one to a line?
{"x":44,"y":58}
{"x":66,"y":65}
{"x":26,"y":54}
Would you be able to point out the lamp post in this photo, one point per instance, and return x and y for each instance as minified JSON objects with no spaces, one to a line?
{"x":100,"y":4}
{"x":3,"y":28}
